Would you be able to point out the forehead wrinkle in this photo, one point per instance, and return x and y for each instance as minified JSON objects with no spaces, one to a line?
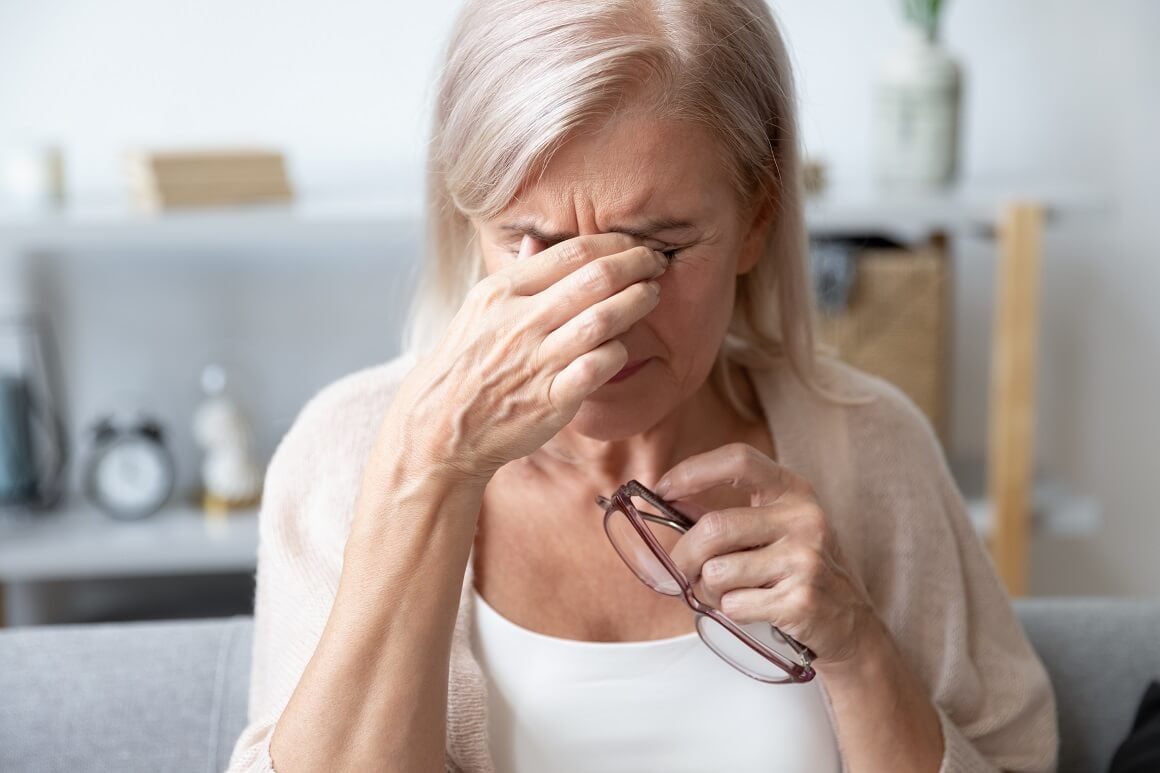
{"x":625,"y":220}
{"x":606,"y":187}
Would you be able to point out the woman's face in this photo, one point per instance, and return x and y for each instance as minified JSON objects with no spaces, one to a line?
{"x":634,"y":171}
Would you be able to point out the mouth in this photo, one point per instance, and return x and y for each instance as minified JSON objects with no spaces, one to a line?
{"x":629,"y":370}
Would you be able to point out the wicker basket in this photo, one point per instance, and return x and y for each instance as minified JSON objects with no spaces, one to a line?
{"x":896,"y":324}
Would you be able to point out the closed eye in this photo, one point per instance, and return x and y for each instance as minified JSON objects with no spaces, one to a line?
{"x":670,"y":254}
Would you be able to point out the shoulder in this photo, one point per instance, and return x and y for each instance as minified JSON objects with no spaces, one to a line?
{"x":859,"y":408}
{"x":322,"y":455}
{"x":869,"y":452}
{"x":878,"y":406}
{"x":353,"y":398}
{"x":878,"y":468}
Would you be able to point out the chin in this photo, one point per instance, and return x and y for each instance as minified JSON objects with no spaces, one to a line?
{"x":619,"y":411}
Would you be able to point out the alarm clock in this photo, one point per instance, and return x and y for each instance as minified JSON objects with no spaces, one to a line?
{"x":129,"y":473}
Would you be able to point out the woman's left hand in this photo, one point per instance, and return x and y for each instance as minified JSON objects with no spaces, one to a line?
{"x":777,"y":560}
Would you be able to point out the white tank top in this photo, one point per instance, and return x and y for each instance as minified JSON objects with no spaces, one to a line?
{"x":567,"y":706}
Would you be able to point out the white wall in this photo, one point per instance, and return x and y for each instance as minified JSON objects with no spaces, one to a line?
{"x":1057,"y":89}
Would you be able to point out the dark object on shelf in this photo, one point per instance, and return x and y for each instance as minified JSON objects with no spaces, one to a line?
{"x":833,"y":274}
{"x":129,"y":473}
{"x":33,"y":439}
{"x":833,"y":266}
{"x":885,"y":308}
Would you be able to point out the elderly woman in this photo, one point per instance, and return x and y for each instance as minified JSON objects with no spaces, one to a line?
{"x":609,"y":511}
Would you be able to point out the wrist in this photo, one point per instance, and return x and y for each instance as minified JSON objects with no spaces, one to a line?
{"x":402,"y":480}
{"x":875,"y":695}
{"x":419,"y":448}
{"x":411,"y":485}
{"x":873,"y":658}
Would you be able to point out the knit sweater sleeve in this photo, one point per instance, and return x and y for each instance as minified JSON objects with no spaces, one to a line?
{"x":308,"y":500}
{"x":298,"y":570}
{"x":937,"y":590}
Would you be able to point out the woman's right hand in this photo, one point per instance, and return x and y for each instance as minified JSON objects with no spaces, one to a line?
{"x":530,"y":342}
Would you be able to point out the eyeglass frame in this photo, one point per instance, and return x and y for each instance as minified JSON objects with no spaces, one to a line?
{"x":798,"y":673}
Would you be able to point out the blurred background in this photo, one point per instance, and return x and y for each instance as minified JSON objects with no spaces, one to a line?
{"x":210,"y":210}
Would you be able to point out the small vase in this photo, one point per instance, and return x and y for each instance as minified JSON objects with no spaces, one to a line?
{"x":916,"y":114}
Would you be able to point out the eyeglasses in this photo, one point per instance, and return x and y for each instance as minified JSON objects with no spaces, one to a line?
{"x":758,"y":650}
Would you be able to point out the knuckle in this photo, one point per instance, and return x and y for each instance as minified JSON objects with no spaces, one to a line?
{"x":808,"y":561}
{"x":811,"y":524}
{"x":716,"y":527}
{"x":596,"y":277}
{"x":739,"y":454}
{"x":595,"y":324}
{"x":490,"y":289}
{"x":813,"y":515}
{"x":586,"y":369}
{"x":574,"y":253}
{"x":801,"y":600}
{"x":713,"y":572}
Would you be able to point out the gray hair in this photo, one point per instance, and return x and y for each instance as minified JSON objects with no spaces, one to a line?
{"x":520,"y":76}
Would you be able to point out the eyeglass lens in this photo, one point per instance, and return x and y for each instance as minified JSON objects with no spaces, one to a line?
{"x":724,"y":643}
{"x":637,"y":554}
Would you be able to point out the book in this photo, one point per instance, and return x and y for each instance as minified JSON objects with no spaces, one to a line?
{"x":163,"y":180}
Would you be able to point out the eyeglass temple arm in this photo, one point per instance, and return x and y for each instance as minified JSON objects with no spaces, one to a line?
{"x":670,"y":517}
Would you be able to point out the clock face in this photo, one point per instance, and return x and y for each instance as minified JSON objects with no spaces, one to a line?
{"x":133,"y":476}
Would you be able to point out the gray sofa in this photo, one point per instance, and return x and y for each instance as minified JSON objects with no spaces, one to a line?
{"x":172,"y":696}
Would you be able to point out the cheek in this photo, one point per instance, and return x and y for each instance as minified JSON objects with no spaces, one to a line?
{"x":494,"y":258}
{"x":693,"y":314}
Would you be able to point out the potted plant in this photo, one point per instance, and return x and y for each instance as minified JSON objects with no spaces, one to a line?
{"x":917,"y":105}
{"x":923,"y":14}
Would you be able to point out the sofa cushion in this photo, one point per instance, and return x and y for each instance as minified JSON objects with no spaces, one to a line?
{"x":172,"y":696}
{"x":125,"y":697}
{"x":1101,"y":655}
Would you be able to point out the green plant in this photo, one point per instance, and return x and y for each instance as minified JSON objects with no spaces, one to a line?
{"x":924,"y":13}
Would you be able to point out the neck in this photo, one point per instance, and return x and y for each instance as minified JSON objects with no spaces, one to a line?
{"x":701,"y":423}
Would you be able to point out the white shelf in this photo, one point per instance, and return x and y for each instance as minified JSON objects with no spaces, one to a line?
{"x":322,"y":224}
{"x":386,"y":219}
{"x":975,"y":206}
{"x":83,"y":543}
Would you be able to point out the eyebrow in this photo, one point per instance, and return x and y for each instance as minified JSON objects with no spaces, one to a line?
{"x":647,"y":228}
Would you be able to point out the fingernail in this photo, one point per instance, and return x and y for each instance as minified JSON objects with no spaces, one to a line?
{"x":662,"y":264}
{"x":654,"y":286}
{"x":662,"y":487}
{"x":525,"y":246}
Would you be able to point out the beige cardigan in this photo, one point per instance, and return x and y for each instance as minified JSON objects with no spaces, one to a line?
{"x":880,"y":476}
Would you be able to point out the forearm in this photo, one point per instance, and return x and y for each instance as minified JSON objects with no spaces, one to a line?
{"x":884,"y":719}
{"x":376,"y":686}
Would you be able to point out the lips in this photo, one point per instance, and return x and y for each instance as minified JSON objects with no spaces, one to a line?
{"x":629,"y":370}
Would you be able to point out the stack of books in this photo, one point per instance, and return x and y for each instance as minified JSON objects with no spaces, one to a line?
{"x":162,"y":180}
